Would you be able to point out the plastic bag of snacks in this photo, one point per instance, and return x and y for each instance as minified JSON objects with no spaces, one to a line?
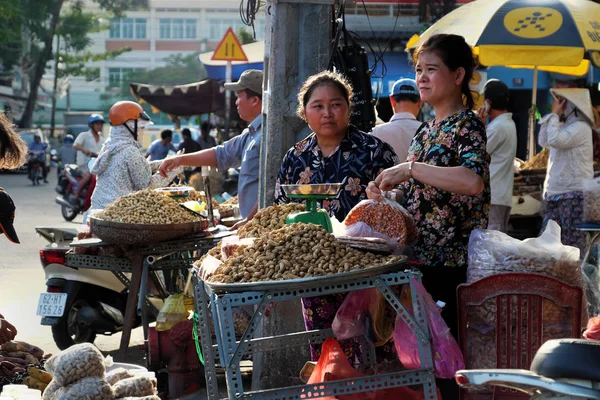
{"x":386,"y":219}
{"x":117,"y":375}
{"x":591,"y":200}
{"x":91,"y":388}
{"x":134,"y":387}
{"x":172,"y":312}
{"x":77,"y":362}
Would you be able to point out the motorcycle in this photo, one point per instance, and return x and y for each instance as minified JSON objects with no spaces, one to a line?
{"x":230,"y":181}
{"x":67,"y":185}
{"x":561,"y":368}
{"x":37,"y":163}
{"x":78,"y":303}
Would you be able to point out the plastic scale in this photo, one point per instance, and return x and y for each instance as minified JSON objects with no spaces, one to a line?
{"x":311,"y":193}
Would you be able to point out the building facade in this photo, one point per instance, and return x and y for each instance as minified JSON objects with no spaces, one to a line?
{"x":165,"y":29}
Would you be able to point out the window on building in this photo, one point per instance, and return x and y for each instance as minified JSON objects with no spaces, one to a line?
{"x":91,"y":74}
{"x":218,"y":27}
{"x":140,"y":28}
{"x":115,"y":29}
{"x":116,"y":76}
{"x":128,"y":28}
{"x":177,"y":28}
{"x":190,"y":29}
{"x":165,"y":28}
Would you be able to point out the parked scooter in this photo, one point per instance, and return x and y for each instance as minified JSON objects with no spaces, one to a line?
{"x":67,"y":186}
{"x":561,"y":368}
{"x":79,"y":303}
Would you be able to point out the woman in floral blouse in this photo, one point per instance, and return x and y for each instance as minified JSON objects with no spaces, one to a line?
{"x":446,"y":178}
{"x":336,"y":152}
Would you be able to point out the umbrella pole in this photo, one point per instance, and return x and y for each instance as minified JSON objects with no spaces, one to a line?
{"x":531,"y":131}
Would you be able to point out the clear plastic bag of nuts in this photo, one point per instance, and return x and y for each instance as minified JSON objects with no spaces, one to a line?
{"x":382,"y":219}
{"x":77,"y":362}
{"x":591,"y":200}
{"x":492,"y":252}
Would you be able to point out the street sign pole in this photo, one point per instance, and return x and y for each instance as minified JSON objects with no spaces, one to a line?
{"x":229,"y":49}
{"x":227,"y":100}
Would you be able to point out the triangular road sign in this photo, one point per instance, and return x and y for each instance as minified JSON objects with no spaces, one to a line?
{"x":229,"y":48}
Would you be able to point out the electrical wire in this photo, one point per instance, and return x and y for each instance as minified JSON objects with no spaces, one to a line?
{"x":248,"y":13}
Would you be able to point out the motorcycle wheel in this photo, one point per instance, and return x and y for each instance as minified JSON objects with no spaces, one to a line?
{"x":67,"y":333}
{"x":68,"y":213}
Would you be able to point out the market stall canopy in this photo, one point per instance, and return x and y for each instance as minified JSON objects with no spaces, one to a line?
{"x":207,"y":96}
{"x":216,"y":69}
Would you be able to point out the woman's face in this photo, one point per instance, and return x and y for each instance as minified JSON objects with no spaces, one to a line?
{"x":436,"y":82}
{"x":327,"y":112}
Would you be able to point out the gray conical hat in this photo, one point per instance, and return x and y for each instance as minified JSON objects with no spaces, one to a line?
{"x":580,"y":98}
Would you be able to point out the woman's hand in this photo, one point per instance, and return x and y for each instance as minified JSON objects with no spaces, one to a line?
{"x":393,"y":176}
{"x":373,"y":192}
{"x":239,"y":224}
{"x":168,"y":165}
{"x":559,"y":106}
{"x":7,"y":331}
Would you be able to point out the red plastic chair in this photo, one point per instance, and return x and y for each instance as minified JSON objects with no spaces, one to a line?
{"x":520,"y":300}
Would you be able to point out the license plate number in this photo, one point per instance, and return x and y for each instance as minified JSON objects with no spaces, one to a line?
{"x":52,"y":304}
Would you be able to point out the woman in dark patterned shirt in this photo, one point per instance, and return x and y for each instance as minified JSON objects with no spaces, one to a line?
{"x":336,"y":152}
{"x":446,"y":178}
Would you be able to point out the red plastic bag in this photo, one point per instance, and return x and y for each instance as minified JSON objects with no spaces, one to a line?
{"x":363,"y":312}
{"x":446,"y":354}
{"x":333,"y":365}
{"x":592,"y":331}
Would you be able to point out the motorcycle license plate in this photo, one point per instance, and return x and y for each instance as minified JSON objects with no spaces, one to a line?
{"x":52,"y":304}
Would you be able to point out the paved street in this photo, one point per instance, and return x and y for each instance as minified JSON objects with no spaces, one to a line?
{"x":21,"y":273}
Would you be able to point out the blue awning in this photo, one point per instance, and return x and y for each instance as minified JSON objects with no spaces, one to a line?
{"x":389,"y":69}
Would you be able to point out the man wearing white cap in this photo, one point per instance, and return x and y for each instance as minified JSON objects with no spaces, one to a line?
{"x":567,"y":133}
{"x":399,"y":131}
{"x":502,"y":147}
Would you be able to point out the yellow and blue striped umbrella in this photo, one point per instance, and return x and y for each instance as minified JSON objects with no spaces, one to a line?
{"x":551,"y":35}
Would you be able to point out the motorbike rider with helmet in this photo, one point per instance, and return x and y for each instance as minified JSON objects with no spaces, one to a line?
{"x":67,"y":154}
{"x":88,"y":144}
{"x":121,"y":167}
{"x":38,"y":149}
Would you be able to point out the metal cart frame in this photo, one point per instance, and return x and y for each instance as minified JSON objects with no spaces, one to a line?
{"x":228,"y":351}
{"x":148,"y":259}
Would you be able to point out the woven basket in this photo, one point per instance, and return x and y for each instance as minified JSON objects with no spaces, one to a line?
{"x":136,"y":234}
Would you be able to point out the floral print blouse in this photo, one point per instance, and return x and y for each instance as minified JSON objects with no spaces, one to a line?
{"x":358,"y":159}
{"x":444,"y":219}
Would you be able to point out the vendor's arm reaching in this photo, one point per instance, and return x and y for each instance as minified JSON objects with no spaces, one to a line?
{"x":460,"y":180}
{"x":203,"y":158}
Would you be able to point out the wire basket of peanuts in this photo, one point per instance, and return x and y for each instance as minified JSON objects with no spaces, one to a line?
{"x":144,"y":217}
{"x":269,"y":219}
{"x":293,"y":252}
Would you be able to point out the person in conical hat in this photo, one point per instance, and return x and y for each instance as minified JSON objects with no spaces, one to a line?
{"x":567,"y":134}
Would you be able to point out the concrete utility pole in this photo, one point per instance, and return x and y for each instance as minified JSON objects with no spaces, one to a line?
{"x":299,"y":44}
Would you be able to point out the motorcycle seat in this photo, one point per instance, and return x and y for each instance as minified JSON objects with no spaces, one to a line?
{"x":74,"y":170}
{"x":568,"y":358}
